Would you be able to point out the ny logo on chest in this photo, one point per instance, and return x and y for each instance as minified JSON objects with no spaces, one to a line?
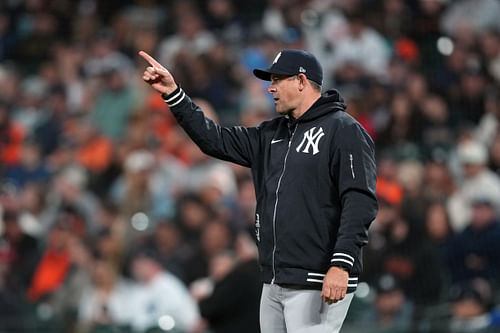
{"x":311,"y":140}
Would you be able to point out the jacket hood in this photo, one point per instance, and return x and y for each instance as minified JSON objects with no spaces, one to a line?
{"x":330,"y":101}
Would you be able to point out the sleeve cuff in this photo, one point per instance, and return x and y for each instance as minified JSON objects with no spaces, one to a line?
{"x":341,"y":259}
{"x":174,"y":97}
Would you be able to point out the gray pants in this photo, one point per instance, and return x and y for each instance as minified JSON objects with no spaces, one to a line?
{"x":291,"y":310}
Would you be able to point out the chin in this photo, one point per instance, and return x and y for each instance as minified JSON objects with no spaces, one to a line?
{"x":282,"y":112}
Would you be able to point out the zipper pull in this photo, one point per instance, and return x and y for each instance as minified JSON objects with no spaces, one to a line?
{"x":352,"y":167}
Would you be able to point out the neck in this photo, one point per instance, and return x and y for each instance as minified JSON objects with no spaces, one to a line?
{"x":305,"y":104}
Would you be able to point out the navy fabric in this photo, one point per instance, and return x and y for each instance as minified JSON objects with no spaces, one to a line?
{"x":293,"y":62}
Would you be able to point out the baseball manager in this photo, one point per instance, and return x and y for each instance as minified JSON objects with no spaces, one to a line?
{"x":314,"y":174}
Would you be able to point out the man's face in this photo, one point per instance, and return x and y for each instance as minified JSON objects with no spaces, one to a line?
{"x":285,"y":91}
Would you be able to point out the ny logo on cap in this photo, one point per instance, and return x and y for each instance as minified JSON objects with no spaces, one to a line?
{"x":277,"y":57}
{"x":301,"y":69}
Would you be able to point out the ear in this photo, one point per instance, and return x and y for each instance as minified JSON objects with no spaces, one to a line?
{"x":302,"y":81}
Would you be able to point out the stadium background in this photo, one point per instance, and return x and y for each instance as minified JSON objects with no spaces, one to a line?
{"x":95,"y":173}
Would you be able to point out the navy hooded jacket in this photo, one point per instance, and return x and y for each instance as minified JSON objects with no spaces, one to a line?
{"x":315,"y":183}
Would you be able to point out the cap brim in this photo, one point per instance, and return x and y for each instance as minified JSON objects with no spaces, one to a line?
{"x":262,"y":74}
{"x":265,"y":74}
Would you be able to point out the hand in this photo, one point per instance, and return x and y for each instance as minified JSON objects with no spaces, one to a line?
{"x":158,"y":76}
{"x":334,"y":285}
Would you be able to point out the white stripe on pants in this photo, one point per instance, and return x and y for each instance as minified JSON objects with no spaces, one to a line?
{"x":285,"y":310}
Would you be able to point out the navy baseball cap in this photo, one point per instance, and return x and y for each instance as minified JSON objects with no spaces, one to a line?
{"x":293,"y":62}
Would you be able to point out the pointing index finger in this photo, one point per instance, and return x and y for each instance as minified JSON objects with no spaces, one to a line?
{"x":150,"y":59}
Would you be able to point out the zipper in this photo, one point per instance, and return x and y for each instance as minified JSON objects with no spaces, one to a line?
{"x":352,"y":167}
{"x":276,"y":201}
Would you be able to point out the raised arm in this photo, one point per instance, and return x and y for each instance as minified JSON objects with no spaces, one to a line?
{"x":235,"y":144}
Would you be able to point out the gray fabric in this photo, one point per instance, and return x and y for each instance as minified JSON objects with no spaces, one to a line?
{"x":287,"y":310}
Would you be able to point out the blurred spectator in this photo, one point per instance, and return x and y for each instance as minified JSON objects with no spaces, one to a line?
{"x":11,"y":137}
{"x":19,"y":251}
{"x":246,"y":204}
{"x":478,"y":180}
{"x":472,"y":307}
{"x":192,"y":217}
{"x":392,"y":19}
{"x":358,"y":110}
{"x":69,"y":193}
{"x":403,"y":126}
{"x":437,"y":237}
{"x":446,"y":78}
{"x":113,"y":103}
{"x":361,"y":52}
{"x":464,"y":19}
{"x":475,"y":251}
{"x":206,"y":79}
{"x":436,"y":129}
{"x":495,"y":155}
{"x":225,"y":21}
{"x":191,"y":39}
{"x":106,"y":303}
{"x":470,"y":103}
{"x":490,"y":47}
{"x":34,"y":44}
{"x":54,"y":264}
{"x":159,"y":295}
{"x":110,"y":247}
{"x":32,"y":205}
{"x":438,"y":181}
{"x":437,"y":227}
{"x":29,"y":112}
{"x":49,"y":130}
{"x":7,"y":38}
{"x":224,"y":308}
{"x":487,"y":128}
{"x":30,"y":168}
{"x":11,"y":302}
{"x":411,"y":177}
{"x":216,"y":237}
{"x":172,"y":251}
{"x":388,"y":186}
{"x":70,"y":58}
{"x":134,"y":190}
{"x":104,"y":59}
{"x":425,"y":30}
{"x":273,"y":18}
{"x":392,"y":312}
{"x":413,"y":264}
{"x":65,"y":301}
{"x":10,"y":80}
{"x":93,"y":151}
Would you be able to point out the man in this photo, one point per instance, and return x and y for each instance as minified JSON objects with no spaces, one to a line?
{"x":314,"y":176}
{"x":160,"y":296}
{"x":474,"y":252}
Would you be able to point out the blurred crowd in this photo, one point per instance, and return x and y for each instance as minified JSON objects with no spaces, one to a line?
{"x":112,"y":220}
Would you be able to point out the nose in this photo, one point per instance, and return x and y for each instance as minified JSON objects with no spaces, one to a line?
{"x":271,"y":89}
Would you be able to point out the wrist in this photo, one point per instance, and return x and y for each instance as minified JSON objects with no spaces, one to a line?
{"x":340,"y":268}
{"x":169,"y":90}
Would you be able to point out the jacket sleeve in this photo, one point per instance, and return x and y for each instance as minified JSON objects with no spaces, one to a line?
{"x":354,"y":172}
{"x":234,"y":144}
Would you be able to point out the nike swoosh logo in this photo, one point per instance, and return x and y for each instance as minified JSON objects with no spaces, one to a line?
{"x":276,"y":141}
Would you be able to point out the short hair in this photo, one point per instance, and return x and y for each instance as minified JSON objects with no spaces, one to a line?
{"x":316,"y":86}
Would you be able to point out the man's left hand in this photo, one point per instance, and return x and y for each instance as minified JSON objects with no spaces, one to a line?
{"x":334,"y":285}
